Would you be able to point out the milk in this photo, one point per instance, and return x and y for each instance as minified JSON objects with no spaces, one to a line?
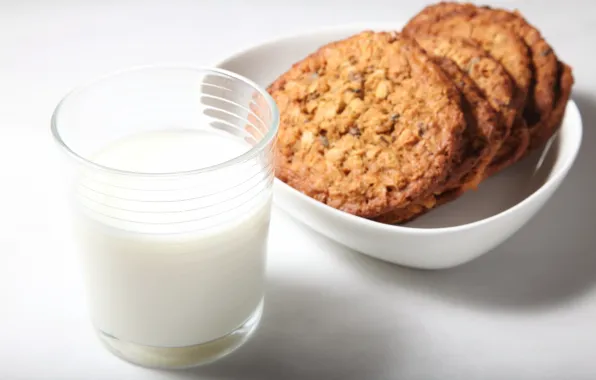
{"x":173,"y":260}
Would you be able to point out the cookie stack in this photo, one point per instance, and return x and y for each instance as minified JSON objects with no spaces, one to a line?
{"x":389,"y":125}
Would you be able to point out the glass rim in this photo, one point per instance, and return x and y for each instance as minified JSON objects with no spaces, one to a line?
{"x":251,"y":153}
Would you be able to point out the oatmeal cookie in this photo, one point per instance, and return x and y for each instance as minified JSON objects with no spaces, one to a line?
{"x":542,"y":94}
{"x":416,"y":210}
{"x":499,"y":41}
{"x":482,"y":123}
{"x":564,"y":86}
{"x":514,"y":148}
{"x":368,"y":124}
{"x":488,"y":75}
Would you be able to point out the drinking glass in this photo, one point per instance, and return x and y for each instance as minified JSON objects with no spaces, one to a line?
{"x":171,"y":186}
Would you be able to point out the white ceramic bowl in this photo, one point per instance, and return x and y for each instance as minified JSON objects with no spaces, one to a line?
{"x":448,"y":236}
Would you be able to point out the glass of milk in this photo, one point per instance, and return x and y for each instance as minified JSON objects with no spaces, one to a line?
{"x":171,"y":192}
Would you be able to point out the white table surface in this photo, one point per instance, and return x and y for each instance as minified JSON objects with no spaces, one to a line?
{"x":525,"y":311}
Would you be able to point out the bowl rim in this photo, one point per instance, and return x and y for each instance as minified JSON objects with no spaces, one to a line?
{"x":557,"y":176}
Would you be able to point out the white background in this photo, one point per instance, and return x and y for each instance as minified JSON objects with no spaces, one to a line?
{"x":527,"y":310}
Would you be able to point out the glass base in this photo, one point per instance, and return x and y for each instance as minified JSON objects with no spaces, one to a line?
{"x":182,"y":357}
